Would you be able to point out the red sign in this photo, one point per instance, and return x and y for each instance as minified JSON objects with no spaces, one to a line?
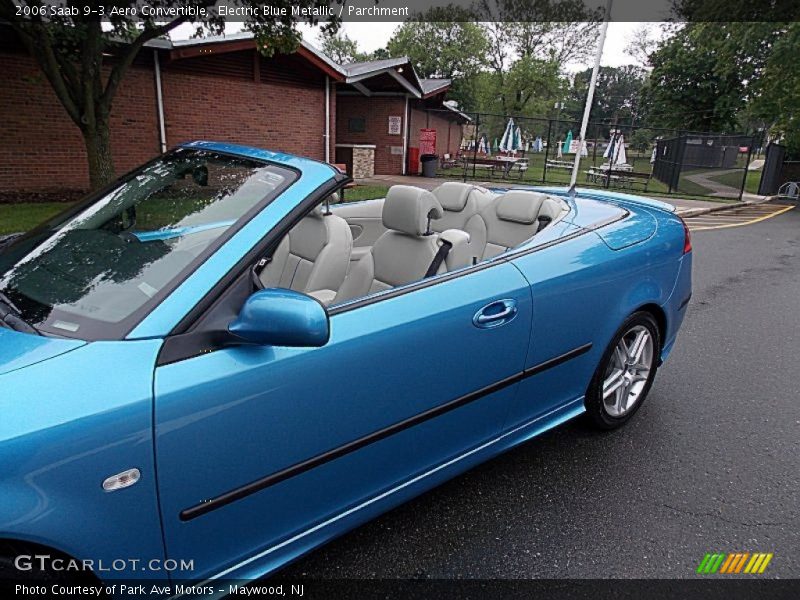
{"x":427,"y":141}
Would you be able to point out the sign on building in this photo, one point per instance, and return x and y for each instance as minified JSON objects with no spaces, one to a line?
{"x":395,"y":125}
{"x":427,"y":141}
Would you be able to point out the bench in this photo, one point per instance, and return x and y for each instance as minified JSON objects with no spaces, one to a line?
{"x":618,"y":178}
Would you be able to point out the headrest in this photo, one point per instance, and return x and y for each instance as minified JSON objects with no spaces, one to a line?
{"x":408,"y":208}
{"x":519,"y":207}
{"x":453,"y":195}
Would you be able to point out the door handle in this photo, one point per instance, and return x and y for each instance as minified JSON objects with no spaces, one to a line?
{"x":495,"y":314}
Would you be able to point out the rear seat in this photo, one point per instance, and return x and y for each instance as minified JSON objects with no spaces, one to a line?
{"x":509,"y":220}
{"x":461,"y":202}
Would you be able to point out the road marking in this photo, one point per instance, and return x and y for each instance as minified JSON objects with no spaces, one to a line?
{"x":736,"y":218}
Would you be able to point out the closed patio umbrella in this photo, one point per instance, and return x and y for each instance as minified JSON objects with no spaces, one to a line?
{"x":568,"y":142}
{"x":507,"y":141}
{"x":517,"y":142}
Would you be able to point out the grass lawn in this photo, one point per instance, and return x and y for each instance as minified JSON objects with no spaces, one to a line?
{"x":365,"y":192}
{"x":735,"y":180}
{"x":21,"y":217}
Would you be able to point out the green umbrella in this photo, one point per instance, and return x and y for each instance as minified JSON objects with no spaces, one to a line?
{"x":494,"y":146}
{"x":567,"y":142}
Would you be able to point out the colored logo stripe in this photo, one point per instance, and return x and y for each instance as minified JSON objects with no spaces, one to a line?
{"x":734,"y":562}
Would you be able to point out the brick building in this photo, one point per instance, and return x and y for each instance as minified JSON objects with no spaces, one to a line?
{"x":222,"y":89}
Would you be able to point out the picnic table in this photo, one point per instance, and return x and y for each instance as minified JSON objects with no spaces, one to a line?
{"x":624,"y":178}
{"x":559,"y":164}
{"x":492,"y":163}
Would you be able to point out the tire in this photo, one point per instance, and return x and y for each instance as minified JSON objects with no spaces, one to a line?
{"x":626,"y":378}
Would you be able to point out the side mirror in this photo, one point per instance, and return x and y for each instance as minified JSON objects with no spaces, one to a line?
{"x":279,"y":317}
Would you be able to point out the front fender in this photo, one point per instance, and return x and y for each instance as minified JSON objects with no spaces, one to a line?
{"x":69,"y":423}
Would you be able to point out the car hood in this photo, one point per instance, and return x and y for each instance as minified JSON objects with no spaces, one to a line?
{"x":18,"y":350}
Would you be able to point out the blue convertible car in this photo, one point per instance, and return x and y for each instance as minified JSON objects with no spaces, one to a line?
{"x":212,"y":364}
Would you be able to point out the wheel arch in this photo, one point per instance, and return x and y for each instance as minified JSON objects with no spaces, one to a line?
{"x":14,"y":546}
{"x":661,"y":319}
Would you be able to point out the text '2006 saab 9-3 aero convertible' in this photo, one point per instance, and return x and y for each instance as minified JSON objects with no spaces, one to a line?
{"x":214,"y":360}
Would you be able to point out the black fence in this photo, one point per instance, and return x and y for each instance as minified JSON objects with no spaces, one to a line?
{"x":629,"y":157}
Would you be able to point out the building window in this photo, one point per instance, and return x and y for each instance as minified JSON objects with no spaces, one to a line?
{"x":356,"y":125}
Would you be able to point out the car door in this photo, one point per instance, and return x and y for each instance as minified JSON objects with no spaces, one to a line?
{"x":257,"y":445}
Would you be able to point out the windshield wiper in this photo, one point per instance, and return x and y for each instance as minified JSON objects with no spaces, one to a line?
{"x":11,"y":316}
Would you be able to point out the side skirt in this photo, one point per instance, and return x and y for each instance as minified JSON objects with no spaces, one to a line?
{"x":274,"y":557}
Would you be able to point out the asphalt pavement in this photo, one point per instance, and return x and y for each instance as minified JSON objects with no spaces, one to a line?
{"x":711,"y":463}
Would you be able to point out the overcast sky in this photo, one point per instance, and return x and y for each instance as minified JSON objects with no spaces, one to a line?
{"x":373,"y":35}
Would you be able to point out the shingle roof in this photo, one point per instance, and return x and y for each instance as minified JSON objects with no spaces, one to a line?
{"x":431,"y":85}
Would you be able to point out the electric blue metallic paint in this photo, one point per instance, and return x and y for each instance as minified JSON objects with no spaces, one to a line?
{"x":258,"y":410}
{"x":67,"y":424}
{"x":19,"y":350}
{"x":279,"y":317}
{"x":76,"y":413}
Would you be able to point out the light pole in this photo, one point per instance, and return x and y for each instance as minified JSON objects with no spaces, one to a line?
{"x":590,"y":96}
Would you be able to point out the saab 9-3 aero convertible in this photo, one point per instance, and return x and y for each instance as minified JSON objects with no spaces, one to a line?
{"x":213,"y":361}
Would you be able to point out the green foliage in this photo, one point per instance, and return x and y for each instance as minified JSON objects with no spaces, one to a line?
{"x":341,"y":48}
{"x":443,"y":43}
{"x":778,"y":89}
{"x":617,"y":97}
{"x":706,"y":73}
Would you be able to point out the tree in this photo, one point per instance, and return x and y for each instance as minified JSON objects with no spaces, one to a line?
{"x":341,"y":48}
{"x":777,"y":92}
{"x":442,"y":42}
{"x":706,"y":73}
{"x":552,"y":31}
{"x":85,"y":62}
{"x":617,"y":96}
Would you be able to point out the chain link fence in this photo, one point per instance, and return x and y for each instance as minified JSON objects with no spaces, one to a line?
{"x":626,"y":157}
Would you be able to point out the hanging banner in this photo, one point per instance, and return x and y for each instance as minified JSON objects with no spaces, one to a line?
{"x":427,"y":141}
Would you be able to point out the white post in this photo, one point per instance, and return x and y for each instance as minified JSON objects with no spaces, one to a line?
{"x":162,"y":133}
{"x":590,"y":96}
{"x":327,"y":119}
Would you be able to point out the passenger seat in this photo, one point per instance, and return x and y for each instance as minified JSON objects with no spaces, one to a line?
{"x":406,"y":250}
{"x":511,"y":219}
{"x":314,"y":255}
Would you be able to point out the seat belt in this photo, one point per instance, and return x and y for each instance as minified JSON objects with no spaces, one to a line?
{"x":544,"y":221}
{"x":441,"y":254}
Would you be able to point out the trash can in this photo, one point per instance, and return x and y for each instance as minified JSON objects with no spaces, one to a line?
{"x":429,"y":164}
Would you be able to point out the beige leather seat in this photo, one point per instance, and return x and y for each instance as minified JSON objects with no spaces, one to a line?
{"x":406,"y":250}
{"x":511,"y":219}
{"x":314,"y":255}
{"x":460,"y":202}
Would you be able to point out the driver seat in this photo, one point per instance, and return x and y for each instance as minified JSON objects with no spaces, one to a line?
{"x":314,"y":255}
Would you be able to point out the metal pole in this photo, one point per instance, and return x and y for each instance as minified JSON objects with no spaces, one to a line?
{"x":547,"y":149}
{"x":590,"y":96}
{"x":746,"y":166}
{"x":162,"y":132}
{"x":475,"y":152}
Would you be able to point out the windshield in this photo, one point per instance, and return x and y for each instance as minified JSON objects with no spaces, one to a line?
{"x":93,"y":271}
